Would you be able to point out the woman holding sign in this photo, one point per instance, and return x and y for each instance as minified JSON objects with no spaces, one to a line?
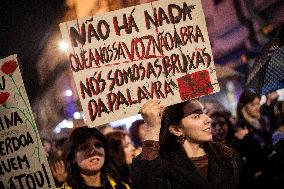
{"x":179,"y":153}
{"x":87,"y":162}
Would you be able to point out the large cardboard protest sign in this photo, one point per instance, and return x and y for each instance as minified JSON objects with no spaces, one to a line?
{"x":23,"y":164}
{"x":123,"y":58}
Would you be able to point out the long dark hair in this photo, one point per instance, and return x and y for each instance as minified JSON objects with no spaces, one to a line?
{"x":134,"y":132}
{"x":173,"y":115}
{"x":117,"y":156}
{"x":79,"y":136}
{"x":116,"y":147}
{"x":246,"y":97}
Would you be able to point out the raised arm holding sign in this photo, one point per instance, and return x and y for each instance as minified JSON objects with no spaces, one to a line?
{"x":144,"y":58}
{"x":179,"y":153}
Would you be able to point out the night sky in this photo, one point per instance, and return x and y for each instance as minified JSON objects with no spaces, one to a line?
{"x":24,"y":29}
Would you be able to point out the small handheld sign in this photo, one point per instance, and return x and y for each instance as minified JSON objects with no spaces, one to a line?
{"x":23,"y":164}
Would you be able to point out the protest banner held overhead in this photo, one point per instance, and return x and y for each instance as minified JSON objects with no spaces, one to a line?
{"x":23,"y":164}
{"x":121,"y":59}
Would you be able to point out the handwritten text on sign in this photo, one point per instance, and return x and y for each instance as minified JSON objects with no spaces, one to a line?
{"x":123,"y":58}
{"x":22,"y":161}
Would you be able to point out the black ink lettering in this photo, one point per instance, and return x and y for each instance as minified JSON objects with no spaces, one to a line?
{"x":149,"y":19}
{"x":77,"y":36}
{"x":174,"y":19}
{"x":30,"y":180}
{"x":92,"y":33}
{"x":101,"y":24}
{"x":2,"y":85}
{"x":46,"y":175}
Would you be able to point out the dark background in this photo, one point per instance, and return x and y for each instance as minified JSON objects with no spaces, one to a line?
{"x":24,"y":29}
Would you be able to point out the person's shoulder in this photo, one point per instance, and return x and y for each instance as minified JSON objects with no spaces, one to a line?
{"x":223,"y":151}
{"x":113,"y":183}
{"x":64,"y":186}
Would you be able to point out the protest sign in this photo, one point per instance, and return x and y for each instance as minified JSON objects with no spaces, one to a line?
{"x":23,"y":164}
{"x":121,"y":59}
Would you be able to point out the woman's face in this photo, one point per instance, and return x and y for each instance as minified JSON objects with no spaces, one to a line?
{"x":128,"y":149}
{"x":253,"y":108}
{"x":196,"y":125}
{"x":90,"y":156}
{"x":219,"y":128}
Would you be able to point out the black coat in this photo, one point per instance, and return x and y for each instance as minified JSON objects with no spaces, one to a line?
{"x":275,"y":169}
{"x":176,"y":171}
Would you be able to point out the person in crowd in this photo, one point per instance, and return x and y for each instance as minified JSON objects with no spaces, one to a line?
{"x":121,"y":153}
{"x":267,"y":109}
{"x":211,"y":106}
{"x":222,"y":128}
{"x":60,"y":148}
{"x":105,"y":129}
{"x":87,"y":161}
{"x":137,"y":133}
{"x":254,"y":139}
{"x":279,"y":117}
{"x":59,"y":173}
{"x":58,"y":168}
{"x":178,"y":151}
{"x":47,"y":147}
{"x":275,"y":168}
{"x":249,"y":117}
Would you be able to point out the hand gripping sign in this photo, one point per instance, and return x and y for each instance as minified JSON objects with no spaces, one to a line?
{"x":123,"y":58}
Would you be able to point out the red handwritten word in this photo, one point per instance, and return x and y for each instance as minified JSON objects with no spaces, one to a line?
{"x":128,"y":24}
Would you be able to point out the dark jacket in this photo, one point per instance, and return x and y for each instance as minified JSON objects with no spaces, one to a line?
{"x":254,"y":150}
{"x":175,"y":170}
{"x":110,"y":182}
{"x":275,"y":172}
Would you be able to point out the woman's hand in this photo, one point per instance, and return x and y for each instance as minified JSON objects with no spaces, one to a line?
{"x":240,"y":133}
{"x":58,"y":171}
{"x":151,"y":112}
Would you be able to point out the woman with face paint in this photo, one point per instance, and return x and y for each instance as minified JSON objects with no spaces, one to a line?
{"x":179,"y":153}
{"x":87,"y":162}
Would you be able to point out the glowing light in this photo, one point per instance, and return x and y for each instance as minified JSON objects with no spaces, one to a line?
{"x":126,"y":121}
{"x":63,"y":45}
{"x":68,"y":92}
{"x":77,"y":115}
{"x":63,"y":124}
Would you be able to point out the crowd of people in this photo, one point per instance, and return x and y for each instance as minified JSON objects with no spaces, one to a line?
{"x":178,"y":146}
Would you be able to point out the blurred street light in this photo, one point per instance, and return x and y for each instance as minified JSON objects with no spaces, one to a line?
{"x":63,"y":45}
{"x":77,"y":115}
{"x":68,"y":92}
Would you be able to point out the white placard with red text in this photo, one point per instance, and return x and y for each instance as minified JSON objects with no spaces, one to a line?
{"x":123,"y":58}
